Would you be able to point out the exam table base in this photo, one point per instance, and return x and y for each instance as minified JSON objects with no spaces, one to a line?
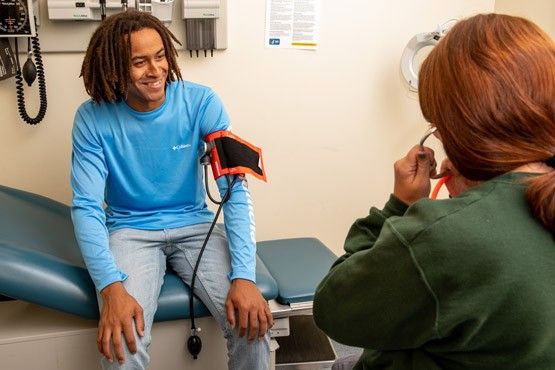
{"x":306,"y":347}
{"x":34,"y":337}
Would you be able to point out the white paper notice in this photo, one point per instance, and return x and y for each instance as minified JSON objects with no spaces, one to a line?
{"x":292,"y":24}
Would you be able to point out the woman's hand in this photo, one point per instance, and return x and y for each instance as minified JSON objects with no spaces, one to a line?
{"x":412,"y":174}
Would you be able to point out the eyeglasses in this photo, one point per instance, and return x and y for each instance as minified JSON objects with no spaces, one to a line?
{"x":429,"y":132}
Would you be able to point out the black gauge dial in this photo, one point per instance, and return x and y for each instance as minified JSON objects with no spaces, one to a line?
{"x":14,"y":17}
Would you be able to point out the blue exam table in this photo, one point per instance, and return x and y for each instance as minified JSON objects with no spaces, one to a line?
{"x":40,"y":263}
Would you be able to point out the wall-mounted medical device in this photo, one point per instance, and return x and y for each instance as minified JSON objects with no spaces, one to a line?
{"x":161,"y":9}
{"x":17,"y":18}
{"x":205,"y":25}
{"x":17,"y":21}
{"x":418,"y":42}
{"x":95,"y":10}
{"x":90,"y":10}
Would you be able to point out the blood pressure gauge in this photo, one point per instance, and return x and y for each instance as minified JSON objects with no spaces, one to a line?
{"x":15,"y":19}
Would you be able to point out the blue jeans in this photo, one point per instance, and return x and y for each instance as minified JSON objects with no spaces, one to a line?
{"x":345,"y":363}
{"x":142,"y":254}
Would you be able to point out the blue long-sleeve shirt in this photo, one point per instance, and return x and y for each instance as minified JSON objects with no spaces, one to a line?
{"x":141,"y":170}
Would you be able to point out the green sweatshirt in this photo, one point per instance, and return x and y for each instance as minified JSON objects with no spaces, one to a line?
{"x":462,"y":283}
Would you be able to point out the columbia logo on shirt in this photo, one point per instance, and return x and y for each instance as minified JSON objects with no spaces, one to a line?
{"x":181,"y":146}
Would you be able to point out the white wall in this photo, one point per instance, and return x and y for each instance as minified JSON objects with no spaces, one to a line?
{"x":331,"y":122}
{"x":541,"y":12}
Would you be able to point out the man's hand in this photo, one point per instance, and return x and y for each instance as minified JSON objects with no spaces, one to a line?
{"x":253,"y":310}
{"x":118,"y":311}
{"x":412,"y":174}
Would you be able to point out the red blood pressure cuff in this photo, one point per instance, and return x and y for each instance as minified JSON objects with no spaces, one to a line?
{"x":231,"y":155}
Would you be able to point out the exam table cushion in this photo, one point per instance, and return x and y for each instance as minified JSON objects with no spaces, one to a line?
{"x":40,"y":262}
{"x":298,"y":265}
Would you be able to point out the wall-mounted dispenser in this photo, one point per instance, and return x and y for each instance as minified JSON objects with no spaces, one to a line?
{"x":205,"y":25}
{"x":90,"y":10}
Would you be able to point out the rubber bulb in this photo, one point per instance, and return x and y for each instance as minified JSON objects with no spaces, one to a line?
{"x":29,"y":71}
{"x":194,"y":344}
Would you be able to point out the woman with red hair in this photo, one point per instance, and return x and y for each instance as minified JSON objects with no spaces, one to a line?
{"x":466,"y":282}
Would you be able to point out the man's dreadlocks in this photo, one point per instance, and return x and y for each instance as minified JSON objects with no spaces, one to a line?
{"x":106,"y":67}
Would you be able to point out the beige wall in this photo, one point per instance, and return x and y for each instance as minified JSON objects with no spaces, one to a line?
{"x":331,"y":122}
{"x":541,"y":12}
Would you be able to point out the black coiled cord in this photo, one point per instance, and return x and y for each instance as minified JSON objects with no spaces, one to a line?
{"x":41,"y":81}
